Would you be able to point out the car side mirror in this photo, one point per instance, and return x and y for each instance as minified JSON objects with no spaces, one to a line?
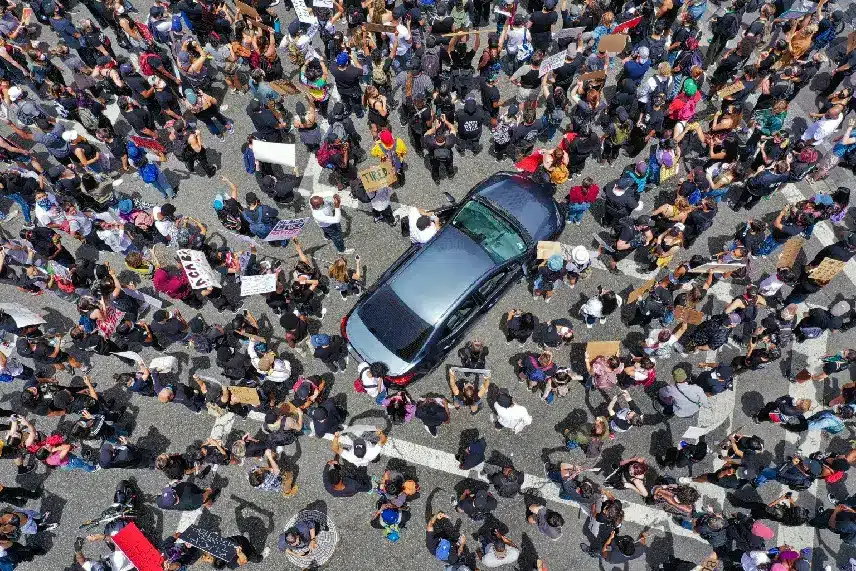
{"x":450,"y":198}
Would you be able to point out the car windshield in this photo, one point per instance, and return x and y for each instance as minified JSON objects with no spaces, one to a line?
{"x":395,"y":324}
{"x":498,"y":238}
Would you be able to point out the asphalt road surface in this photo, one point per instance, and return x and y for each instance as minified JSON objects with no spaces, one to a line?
{"x":73,"y":497}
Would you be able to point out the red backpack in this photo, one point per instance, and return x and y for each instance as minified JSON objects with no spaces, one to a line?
{"x":325,"y":156}
{"x":146,"y":67}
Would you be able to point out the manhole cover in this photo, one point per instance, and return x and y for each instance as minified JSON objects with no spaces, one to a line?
{"x":326,"y":540}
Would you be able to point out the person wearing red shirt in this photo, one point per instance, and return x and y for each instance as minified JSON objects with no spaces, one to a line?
{"x":580,"y":199}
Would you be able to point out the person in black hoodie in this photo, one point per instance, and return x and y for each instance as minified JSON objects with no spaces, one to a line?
{"x":470,"y":121}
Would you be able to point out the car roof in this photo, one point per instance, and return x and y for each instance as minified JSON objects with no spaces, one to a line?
{"x":531,"y":204}
{"x":452,"y":263}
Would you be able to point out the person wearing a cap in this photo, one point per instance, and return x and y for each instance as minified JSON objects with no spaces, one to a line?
{"x":439,"y":141}
{"x":144,"y":92}
{"x":356,"y":450}
{"x":260,"y":218}
{"x":330,"y":350}
{"x":391,"y":149}
{"x":348,"y":72}
{"x":327,"y":418}
{"x":681,"y":398}
{"x":446,"y":545}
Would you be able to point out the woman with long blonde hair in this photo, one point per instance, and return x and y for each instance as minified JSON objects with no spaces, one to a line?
{"x":344,"y":279}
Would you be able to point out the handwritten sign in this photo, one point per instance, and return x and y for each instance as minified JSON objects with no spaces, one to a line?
{"x":247,"y":10}
{"x":21,"y":316}
{"x":286,"y":230}
{"x":210,"y":542}
{"x":304,"y":14}
{"x":572,"y":33}
{"x":380,"y":28}
{"x":613,"y":43}
{"x":322,"y":3}
{"x":197,"y":269}
{"x":377,"y":177}
{"x":251,"y":285}
{"x":826,"y":270}
{"x":553,"y":62}
{"x":688,"y":315}
{"x":138,"y":549}
{"x":275,"y":153}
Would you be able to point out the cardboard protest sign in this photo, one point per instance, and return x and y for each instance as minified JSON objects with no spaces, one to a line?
{"x":572,"y":33}
{"x":22,"y":316}
{"x":245,"y":395}
{"x":553,"y":62}
{"x":380,"y":28}
{"x":730,"y":90}
{"x":304,"y":14}
{"x":628,"y":25}
{"x":197,"y":269}
{"x":688,"y":315}
{"x":596,"y":75}
{"x":138,"y":549}
{"x":251,"y":285}
{"x":377,"y":177}
{"x":209,"y":542}
{"x":547,"y":249}
{"x":275,"y":153}
{"x":634,"y":295}
{"x":790,"y":252}
{"x":613,"y":43}
{"x":247,"y":10}
{"x":286,"y":230}
{"x":284,"y":87}
{"x":826,"y":270}
{"x":605,"y":348}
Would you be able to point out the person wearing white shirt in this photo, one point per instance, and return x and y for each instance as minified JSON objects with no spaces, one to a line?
{"x":380,"y":202}
{"x":47,"y":210}
{"x":164,"y":221}
{"x":328,"y":216}
{"x":371,"y":376}
{"x":509,"y":414}
{"x":422,"y":225}
{"x":659,"y":82}
{"x":358,"y":451}
{"x":401,"y":39}
{"x":826,"y":125}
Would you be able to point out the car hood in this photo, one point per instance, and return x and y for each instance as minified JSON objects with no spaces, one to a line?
{"x":452,"y":263}
{"x":530,"y":203}
{"x":369,"y":347}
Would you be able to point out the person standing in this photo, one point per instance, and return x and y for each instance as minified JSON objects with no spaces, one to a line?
{"x":392,"y":149}
{"x":328,"y":216}
{"x":439,"y":144}
{"x":510,"y":414}
{"x":470,"y":121}
{"x":348,"y":73}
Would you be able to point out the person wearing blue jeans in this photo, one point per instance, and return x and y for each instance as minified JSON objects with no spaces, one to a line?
{"x":580,"y":199}
{"x":328,"y":216}
{"x":153,"y":175}
{"x":206,"y":109}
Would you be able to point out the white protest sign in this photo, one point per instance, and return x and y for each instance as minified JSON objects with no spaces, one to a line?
{"x":569,"y":33}
{"x":304,"y":14}
{"x":555,"y":61}
{"x":257,"y":284}
{"x":322,"y":3}
{"x":197,"y":269}
{"x":58,"y":270}
{"x":286,"y":229}
{"x":22,"y":316}
{"x":166,"y":364}
{"x":143,"y":298}
{"x":247,"y":239}
{"x":131,"y":355}
{"x":276,"y":153}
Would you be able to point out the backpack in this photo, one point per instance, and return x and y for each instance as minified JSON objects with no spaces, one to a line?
{"x":559,"y":175}
{"x":250,"y":161}
{"x":145,"y":67}
{"x":325,"y":156}
{"x":620,"y":136}
{"x":379,"y":75}
{"x":824,"y":38}
{"x":431,"y":64}
{"x":728,"y":25}
{"x":257,"y":226}
{"x":87,"y":118}
{"x":793,"y":477}
{"x":176,"y":23}
{"x":149,"y":172}
{"x":134,"y":152}
{"x":231,"y":222}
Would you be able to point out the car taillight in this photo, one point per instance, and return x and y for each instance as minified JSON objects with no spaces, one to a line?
{"x":401,"y":379}
{"x":344,"y":327}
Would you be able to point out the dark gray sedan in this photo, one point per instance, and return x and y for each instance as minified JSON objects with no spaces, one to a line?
{"x":423,"y":304}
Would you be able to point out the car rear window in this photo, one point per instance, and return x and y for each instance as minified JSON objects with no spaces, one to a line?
{"x":394,"y":323}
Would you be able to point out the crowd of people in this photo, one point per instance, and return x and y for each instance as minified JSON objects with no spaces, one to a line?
{"x":696,"y":96}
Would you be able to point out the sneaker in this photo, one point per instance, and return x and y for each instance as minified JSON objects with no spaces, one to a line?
{"x":453,"y":501}
{"x":602,"y":320}
{"x":231,"y":130}
{"x":588,"y":325}
{"x":341,"y":293}
{"x":323,"y":312}
{"x":224,"y":107}
{"x":535,"y":298}
{"x":546,"y":469}
{"x":832,"y":499}
{"x":50,"y":527}
{"x":221,"y":137}
{"x":685,"y":480}
{"x":547,"y":299}
{"x":348,"y":251}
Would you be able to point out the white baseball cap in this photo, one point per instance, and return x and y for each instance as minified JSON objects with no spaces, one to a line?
{"x":580,"y":254}
{"x":15,"y":93}
{"x":69,"y":136}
